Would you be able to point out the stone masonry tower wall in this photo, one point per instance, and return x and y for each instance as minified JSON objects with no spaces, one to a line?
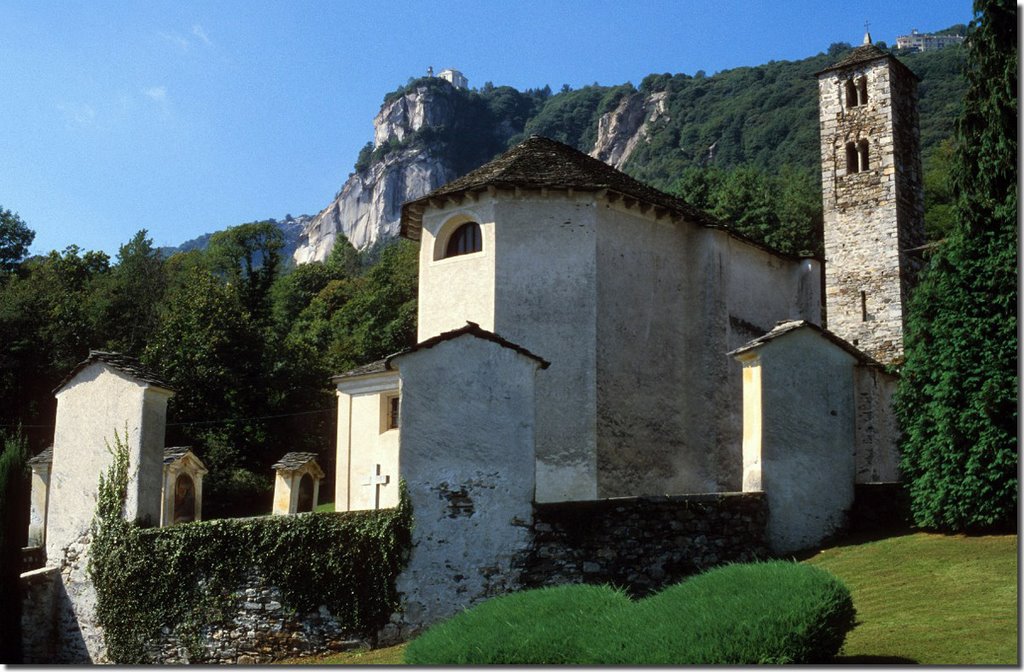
{"x":873,"y":201}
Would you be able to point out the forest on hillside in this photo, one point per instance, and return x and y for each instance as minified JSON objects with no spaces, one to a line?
{"x":249,"y":349}
{"x":250,"y":342}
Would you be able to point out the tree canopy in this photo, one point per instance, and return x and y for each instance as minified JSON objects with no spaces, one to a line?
{"x":957,"y":399}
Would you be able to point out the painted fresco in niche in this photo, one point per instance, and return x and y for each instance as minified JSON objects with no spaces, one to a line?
{"x":305,"y":502}
{"x":184,"y":499}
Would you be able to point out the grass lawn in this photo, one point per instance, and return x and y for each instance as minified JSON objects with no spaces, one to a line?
{"x":391,"y":655}
{"x":920,"y":598}
{"x":929,"y":599}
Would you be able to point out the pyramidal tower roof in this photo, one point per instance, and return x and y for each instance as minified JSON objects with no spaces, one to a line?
{"x":866,"y":53}
{"x":543,"y":163}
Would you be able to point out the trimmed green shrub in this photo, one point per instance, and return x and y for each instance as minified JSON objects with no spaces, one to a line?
{"x":774,"y":612}
{"x":533,"y":627}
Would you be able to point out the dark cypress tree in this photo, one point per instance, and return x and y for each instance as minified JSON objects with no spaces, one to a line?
{"x":14,"y":488}
{"x":957,"y":400}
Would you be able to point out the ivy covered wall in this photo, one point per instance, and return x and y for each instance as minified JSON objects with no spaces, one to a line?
{"x":242,"y":590}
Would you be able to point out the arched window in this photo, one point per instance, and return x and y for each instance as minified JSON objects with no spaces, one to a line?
{"x":862,"y":91}
{"x":851,"y":93}
{"x":464,"y":240}
{"x":852,"y":164}
{"x":305,"y":502}
{"x":862,"y":149}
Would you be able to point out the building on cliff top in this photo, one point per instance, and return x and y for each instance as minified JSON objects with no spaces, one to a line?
{"x":638,"y":300}
{"x":454,"y":77}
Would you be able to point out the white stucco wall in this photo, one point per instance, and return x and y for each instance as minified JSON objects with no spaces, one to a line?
{"x":546,"y":301}
{"x":673,"y":299}
{"x":97,"y":402}
{"x":460,"y":288}
{"x":653,"y":332}
{"x":38,"y":504}
{"x":803,"y":456}
{"x":364,"y":442}
{"x":534,"y":284}
{"x":286,"y":490}
{"x":878,"y":431}
{"x":636,"y":315}
{"x":90,"y":408}
{"x":468,"y":459}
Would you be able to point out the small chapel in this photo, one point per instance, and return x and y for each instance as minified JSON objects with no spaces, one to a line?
{"x":667,"y":353}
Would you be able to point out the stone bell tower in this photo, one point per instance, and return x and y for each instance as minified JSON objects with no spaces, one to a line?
{"x":873,"y":197}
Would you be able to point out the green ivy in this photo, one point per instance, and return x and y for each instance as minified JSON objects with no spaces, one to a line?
{"x":186,"y":576}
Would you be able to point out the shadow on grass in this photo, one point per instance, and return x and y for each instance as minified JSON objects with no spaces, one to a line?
{"x":855,"y":539}
{"x":873,"y":660}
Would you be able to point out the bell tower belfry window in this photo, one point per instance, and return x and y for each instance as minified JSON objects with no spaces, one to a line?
{"x":872,"y":197}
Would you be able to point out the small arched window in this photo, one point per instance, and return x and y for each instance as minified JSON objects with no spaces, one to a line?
{"x":862,"y":149}
{"x":851,"y":93}
{"x":862,"y":91}
{"x":464,"y":240}
{"x":852,"y":164}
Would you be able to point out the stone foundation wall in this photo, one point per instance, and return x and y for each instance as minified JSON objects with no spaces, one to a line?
{"x":39,"y":615}
{"x":259,"y":629}
{"x":643,"y":543}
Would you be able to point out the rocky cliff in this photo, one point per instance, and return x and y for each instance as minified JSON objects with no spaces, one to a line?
{"x":621,"y":130}
{"x":369,"y":204}
{"x":428,"y":133}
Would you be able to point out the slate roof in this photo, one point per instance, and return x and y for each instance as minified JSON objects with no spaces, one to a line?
{"x":380,"y":366}
{"x":123,"y":363}
{"x":865,"y":54}
{"x":543,"y":163}
{"x":473,"y":329}
{"x":293,"y":461}
{"x":786,"y":326}
{"x":44,"y":457}
{"x":174,"y":453}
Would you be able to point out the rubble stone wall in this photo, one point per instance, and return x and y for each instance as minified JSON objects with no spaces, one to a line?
{"x":874,"y":215}
{"x":257,"y":629}
{"x":643,"y":543}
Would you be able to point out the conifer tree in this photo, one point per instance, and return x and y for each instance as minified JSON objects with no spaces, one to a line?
{"x":957,"y":400}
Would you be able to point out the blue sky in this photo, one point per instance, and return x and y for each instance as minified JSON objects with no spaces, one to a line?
{"x":186,"y":117}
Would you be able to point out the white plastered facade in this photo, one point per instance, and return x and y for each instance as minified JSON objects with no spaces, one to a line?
{"x":288,"y":485}
{"x":798,"y":439}
{"x":367,"y":457}
{"x":635,"y":313}
{"x":99,"y":401}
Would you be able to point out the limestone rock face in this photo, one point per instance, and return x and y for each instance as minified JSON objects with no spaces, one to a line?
{"x":619,"y":131}
{"x":409,"y":113}
{"x":369,"y":204}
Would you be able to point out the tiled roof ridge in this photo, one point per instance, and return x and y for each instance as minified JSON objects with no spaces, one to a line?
{"x":378,"y":366}
{"x":123,"y":363}
{"x":474,"y":329}
{"x":786,"y":326}
{"x":294,"y":460}
{"x":45,"y":456}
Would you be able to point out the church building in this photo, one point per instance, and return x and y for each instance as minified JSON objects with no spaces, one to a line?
{"x":650,"y":317}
